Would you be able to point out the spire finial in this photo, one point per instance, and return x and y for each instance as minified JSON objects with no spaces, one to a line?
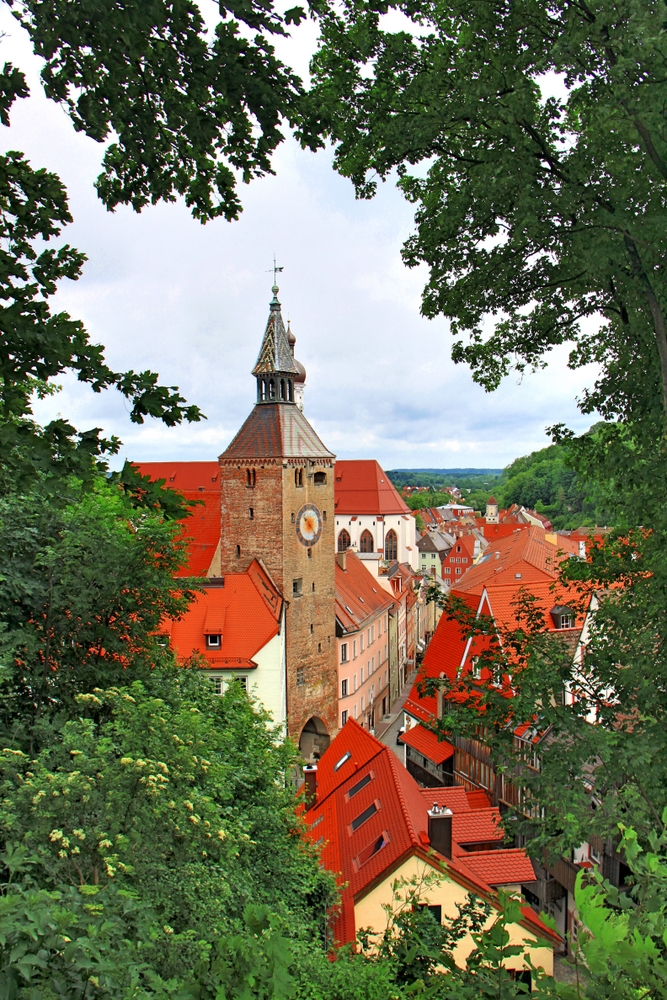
{"x":276,"y":272}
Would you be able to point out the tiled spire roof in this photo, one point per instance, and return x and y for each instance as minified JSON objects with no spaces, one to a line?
{"x":275,"y":354}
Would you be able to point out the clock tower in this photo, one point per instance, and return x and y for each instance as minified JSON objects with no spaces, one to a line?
{"x":277,"y":504}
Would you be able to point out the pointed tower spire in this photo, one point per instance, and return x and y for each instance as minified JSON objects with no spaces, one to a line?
{"x":275,"y":368}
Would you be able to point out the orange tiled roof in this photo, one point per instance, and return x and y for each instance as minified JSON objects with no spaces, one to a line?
{"x":523,"y":552}
{"x":359,"y":596}
{"x":195,"y":481}
{"x":369,"y":815}
{"x":428,"y":744}
{"x":362,"y":487}
{"x":502,"y":866}
{"x":245,"y":612}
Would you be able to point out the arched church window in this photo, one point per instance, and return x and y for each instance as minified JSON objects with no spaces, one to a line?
{"x":343,"y":541}
{"x":391,"y":546}
{"x":366,"y":542}
{"x":320,"y":478}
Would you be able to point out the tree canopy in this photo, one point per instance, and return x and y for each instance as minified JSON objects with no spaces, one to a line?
{"x":530,"y":138}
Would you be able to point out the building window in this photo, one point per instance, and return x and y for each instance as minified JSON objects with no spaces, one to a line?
{"x":320,"y":479}
{"x":447,"y":569}
{"x":366,"y":543}
{"x":213,"y":642}
{"x":297,"y":587}
{"x":251,"y":514}
{"x":354,"y":649}
{"x":363,"y":703}
{"x":312,"y":629}
{"x":217,"y":684}
{"x":465,"y":559}
{"x":361,"y":643}
{"x":242,"y":680}
{"x":250,"y":478}
{"x":476,"y":669}
{"x":343,"y":688}
{"x":300,"y":676}
{"x":364,"y":816}
{"x":458,"y":571}
{"x":293,"y":517}
{"x":312,"y":586}
{"x":343,"y":540}
{"x":343,"y":717}
{"x":319,"y":647}
{"x":361,"y":674}
{"x":298,"y":477}
{"x":343,"y":653}
{"x":391,"y":546}
{"x":238,"y":551}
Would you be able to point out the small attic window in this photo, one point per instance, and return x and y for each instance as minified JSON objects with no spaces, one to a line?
{"x":344,"y":759}
{"x":372,"y":849}
{"x":364,"y":816}
{"x":213,"y":642}
{"x":562,"y":617}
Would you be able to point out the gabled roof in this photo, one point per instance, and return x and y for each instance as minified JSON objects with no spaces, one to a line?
{"x":362,"y":487}
{"x":359,"y":596}
{"x":276,"y":430}
{"x":502,"y":867}
{"x":435,"y":541}
{"x":195,"y":481}
{"x":244,"y":610}
{"x":370,"y":815}
{"x":526,"y":552}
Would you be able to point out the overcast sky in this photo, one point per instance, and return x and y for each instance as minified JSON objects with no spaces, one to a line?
{"x":161,"y":291}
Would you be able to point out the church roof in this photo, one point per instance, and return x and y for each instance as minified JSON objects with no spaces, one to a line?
{"x":275,"y":354}
{"x":363,"y":487}
{"x":276,"y":430}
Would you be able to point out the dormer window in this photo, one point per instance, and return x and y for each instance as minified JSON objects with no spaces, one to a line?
{"x":562,"y":617}
{"x":213,"y":641}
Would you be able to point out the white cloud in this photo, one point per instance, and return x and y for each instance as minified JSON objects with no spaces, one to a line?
{"x":190,"y":301}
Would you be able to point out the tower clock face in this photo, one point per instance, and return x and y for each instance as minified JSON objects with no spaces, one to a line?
{"x":309,"y":524}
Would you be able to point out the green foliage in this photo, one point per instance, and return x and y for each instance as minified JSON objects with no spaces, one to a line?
{"x":190,"y":111}
{"x":540,"y":213}
{"x":85,"y":580}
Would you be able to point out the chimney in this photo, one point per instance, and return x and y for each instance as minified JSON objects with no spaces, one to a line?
{"x":440,"y":829}
{"x":310,"y":782}
{"x":342,"y":559}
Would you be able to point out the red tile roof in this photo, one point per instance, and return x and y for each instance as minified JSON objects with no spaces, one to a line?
{"x":473,"y":824}
{"x":428,"y":744}
{"x":370,"y":814}
{"x":195,"y":481}
{"x":523,"y":552}
{"x":502,"y":867}
{"x":359,"y":596}
{"x":245,"y":612}
{"x":362,"y":487}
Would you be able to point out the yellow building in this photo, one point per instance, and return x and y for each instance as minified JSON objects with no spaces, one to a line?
{"x":386,"y":837}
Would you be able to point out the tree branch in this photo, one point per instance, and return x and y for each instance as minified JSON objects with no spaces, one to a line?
{"x":659,"y":325}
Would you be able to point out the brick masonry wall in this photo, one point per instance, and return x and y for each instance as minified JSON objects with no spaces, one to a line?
{"x":270,"y":534}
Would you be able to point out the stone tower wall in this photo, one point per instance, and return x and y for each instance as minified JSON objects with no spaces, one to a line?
{"x":312,"y":675}
{"x":270,"y":535}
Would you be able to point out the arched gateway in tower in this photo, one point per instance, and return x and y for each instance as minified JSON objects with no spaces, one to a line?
{"x":277,"y":504}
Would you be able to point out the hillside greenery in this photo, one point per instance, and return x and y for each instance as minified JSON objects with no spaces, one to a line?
{"x":545,"y":481}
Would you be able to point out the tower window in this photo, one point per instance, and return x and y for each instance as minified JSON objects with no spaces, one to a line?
{"x":251,"y":514}
{"x":312,"y":629}
{"x":293,"y":517}
{"x":310,"y":553}
{"x":238,"y":551}
{"x":320,"y":478}
{"x":298,"y":477}
{"x":250,"y":478}
{"x":391,"y":546}
{"x":272,"y":389}
{"x":313,"y":587}
{"x":343,"y":540}
{"x":297,"y":587}
{"x":319,"y":647}
{"x":366,"y":543}
{"x":300,"y":676}
{"x":290,"y":389}
{"x":282,"y":389}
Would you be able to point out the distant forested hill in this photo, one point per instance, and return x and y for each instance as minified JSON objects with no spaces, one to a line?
{"x":541,"y":481}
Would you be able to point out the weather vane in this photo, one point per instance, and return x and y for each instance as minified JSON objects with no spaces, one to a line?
{"x":276,"y":271}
